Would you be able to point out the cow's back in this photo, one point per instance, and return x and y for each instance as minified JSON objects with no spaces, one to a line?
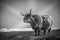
{"x":46,"y":22}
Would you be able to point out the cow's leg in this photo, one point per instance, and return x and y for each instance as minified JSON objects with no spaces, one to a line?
{"x":44,"y":32}
{"x":36,"y":32}
{"x":49,"y":30}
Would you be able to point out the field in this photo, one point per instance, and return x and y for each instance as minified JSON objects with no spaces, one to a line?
{"x":28,"y":35}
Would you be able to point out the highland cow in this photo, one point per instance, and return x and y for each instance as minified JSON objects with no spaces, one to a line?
{"x":38,"y":22}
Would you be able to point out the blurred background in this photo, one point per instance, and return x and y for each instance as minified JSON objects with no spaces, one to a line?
{"x":10,"y":18}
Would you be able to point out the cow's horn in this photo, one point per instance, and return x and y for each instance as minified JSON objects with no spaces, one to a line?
{"x":22,"y":14}
{"x":30,"y":11}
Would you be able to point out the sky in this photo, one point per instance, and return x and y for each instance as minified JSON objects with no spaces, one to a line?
{"x":10,"y":17}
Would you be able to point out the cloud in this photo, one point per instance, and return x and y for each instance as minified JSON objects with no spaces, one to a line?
{"x":15,"y":29}
{"x":18,"y":29}
{"x":13,"y":10}
{"x":48,"y":8}
{"x":22,"y":25}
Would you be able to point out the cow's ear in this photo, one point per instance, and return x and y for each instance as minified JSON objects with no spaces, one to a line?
{"x":22,"y":14}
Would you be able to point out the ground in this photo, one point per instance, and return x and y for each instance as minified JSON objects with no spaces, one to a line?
{"x":29,"y":35}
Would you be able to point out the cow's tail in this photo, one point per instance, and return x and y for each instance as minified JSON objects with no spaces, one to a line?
{"x":51,"y":23}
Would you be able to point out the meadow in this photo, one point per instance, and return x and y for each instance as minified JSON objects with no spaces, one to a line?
{"x":29,"y":35}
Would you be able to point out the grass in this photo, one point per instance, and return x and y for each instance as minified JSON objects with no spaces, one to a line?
{"x":28,"y":35}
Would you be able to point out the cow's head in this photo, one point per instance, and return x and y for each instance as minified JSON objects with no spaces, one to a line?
{"x":27,"y":17}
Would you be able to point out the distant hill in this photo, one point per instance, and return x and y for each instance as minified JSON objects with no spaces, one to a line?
{"x":57,"y":30}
